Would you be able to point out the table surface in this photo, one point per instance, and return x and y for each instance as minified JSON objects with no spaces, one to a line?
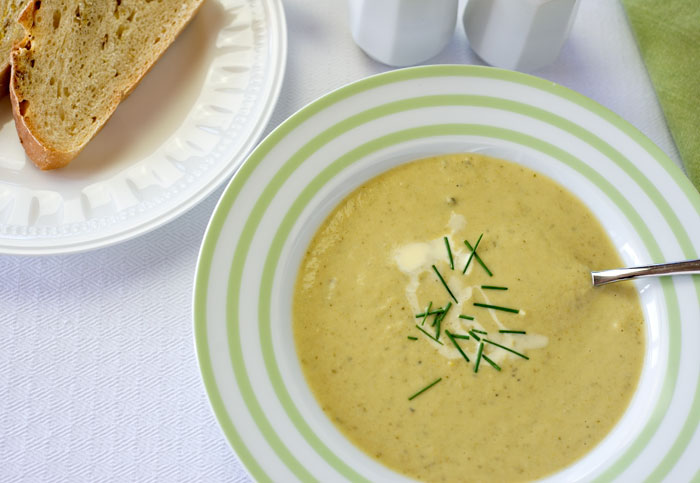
{"x":98,"y":374}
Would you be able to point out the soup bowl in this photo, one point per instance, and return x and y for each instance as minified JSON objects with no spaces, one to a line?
{"x":273,"y":206}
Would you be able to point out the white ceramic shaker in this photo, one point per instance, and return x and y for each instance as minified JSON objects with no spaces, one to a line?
{"x":402,"y":32}
{"x":518,"y":34}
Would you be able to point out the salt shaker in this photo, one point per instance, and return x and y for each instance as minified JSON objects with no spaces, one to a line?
{"x":518,"y":34}
{"x":402,"y":32}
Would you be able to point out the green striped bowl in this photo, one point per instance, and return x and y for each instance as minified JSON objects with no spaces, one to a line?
{"x":272,"y":207}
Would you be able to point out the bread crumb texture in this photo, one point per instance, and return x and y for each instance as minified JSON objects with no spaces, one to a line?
{"x":80,"y":58}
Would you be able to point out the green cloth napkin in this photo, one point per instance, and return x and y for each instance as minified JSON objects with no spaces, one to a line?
{"x":668,"y":35}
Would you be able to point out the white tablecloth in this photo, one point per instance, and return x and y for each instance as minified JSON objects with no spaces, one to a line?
{"x":98,"y":375}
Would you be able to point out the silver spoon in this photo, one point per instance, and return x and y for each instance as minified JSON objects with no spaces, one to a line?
{"x":690,"y":267}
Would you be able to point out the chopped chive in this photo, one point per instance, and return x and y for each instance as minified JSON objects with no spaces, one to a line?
{"x":452,"y":338}
{"x":427,"y":312}
{"x":445,"y":284}
{"x":471,"y":332}
{"x":460,"y":336}
{"x":512,"y":332}
{"x":493,"y":287}
{"x":497,"y":307}
{"x":478,"y":258}
{"x":439,"y":319}
{"x":507,"y":349}
{"x":425,"y":389}
{"x":478,"y":356}
{"x":410,"y":337}
{"x":428,"y":335}
{"x":438,"y":313}
{"x":431,"y":312}
{"x":479,"y":331}
{"x":467,"y":317}
{"x":493,"y":364}
{"x":449,"y":253}
{"x":469,"y":260}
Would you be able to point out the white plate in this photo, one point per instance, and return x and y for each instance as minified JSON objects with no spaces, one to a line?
{"x":182,"y":132}
{"x":272,"y":207}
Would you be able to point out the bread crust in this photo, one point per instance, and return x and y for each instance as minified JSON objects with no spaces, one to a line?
{"x":4,"y":79}
{"x":43,"y":156}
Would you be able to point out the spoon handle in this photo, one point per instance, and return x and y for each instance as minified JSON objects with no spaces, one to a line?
{"x":690,"y":267}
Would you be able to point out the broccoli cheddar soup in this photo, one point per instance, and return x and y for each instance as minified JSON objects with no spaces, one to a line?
{"x":445,"y":321}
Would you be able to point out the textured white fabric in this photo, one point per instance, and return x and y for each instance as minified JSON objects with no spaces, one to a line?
{"x":98,"y":375}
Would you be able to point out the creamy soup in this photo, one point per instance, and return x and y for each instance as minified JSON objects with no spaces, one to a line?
{"x":520,"y":366}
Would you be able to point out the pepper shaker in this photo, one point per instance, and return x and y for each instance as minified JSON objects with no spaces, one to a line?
{"x":402,"y":32}
{"x":518,"y":34}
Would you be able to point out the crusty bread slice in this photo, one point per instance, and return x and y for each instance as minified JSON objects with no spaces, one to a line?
{"x":78,"y":61}
{"x":10,"y":33}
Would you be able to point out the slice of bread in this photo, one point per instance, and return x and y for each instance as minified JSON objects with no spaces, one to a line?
{"x":10,"y":33}
{"x":78,"y":61}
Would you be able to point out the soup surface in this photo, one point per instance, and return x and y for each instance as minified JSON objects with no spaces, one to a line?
{"x":375,"y":266}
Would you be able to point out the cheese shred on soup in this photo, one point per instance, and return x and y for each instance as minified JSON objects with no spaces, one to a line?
{"x":518,"y":369}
